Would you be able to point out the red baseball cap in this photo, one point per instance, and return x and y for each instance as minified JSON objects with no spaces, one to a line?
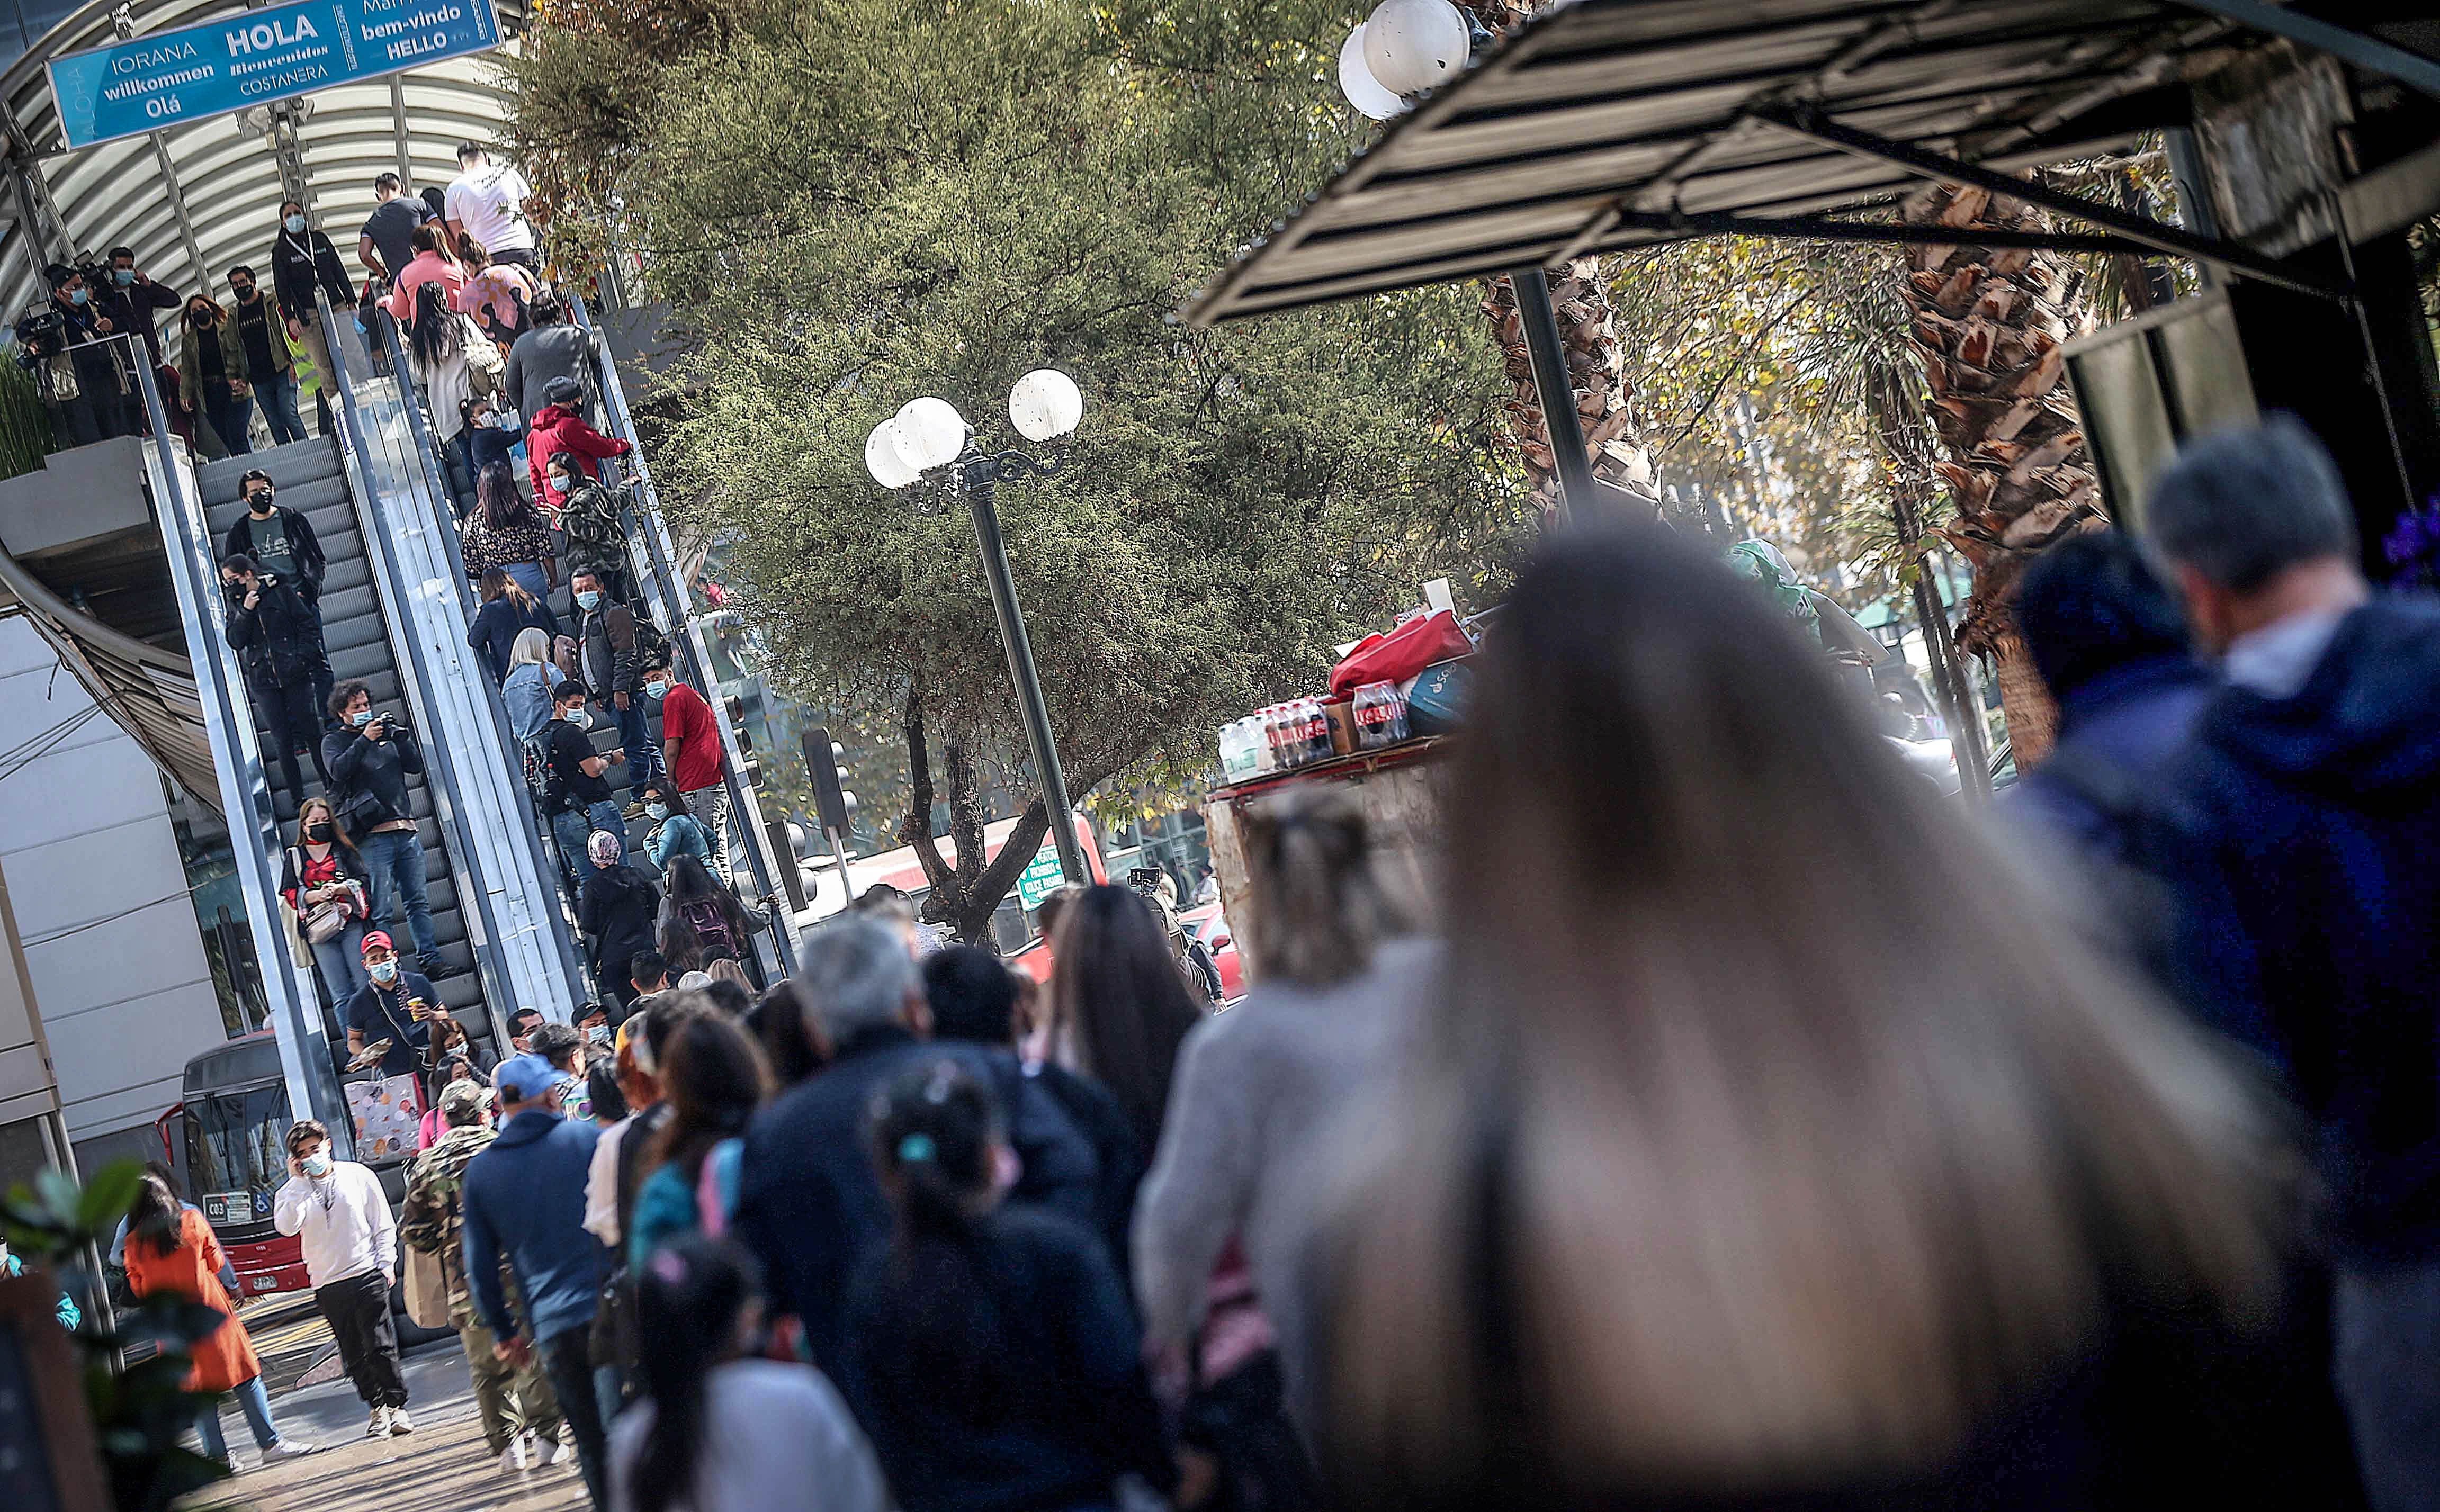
{"x":375,"y":938}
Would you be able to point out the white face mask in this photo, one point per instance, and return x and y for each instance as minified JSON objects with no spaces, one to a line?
{"x":578,"y":718}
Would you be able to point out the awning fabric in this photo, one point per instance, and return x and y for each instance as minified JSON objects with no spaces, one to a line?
{"x":1605,"y":125}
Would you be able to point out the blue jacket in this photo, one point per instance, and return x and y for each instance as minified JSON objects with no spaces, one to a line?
{"x":496,"y":626}
{"x":680,"y":834}
{"x":2305,"y":833}
{"x":524,"y":1196}
{"x":808,"y":1205}
{"x":2120,"y":732}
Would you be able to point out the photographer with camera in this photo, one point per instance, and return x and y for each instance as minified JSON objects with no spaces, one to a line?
{"x":370,"y":756}
{"x":64,"y":342}
{"x":280,"y":636}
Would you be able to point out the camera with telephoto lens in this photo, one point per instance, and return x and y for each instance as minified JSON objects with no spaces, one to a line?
{"x":41,"y":333}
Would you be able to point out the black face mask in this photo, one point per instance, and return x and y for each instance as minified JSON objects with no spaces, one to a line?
{"x":320,"y":834}
{"x":199,"y":317}
{"x":243,"y":291}
{"x":258,"y":501}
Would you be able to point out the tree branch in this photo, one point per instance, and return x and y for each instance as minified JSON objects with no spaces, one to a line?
{"x":917,"y":829}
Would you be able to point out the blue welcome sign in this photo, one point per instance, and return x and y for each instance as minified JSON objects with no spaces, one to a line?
{"x":253,"y":56}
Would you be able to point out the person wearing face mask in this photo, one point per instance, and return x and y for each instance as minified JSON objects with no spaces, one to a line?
{"x":279,"y":539}
{"x":336,"y":1211}
{"x":279,"y":636}
{"x":211,"y":375}
{"x":323,"y":871}
{"x":523,"y":1201}
{"x":612,"y":645}
{"x":370,"y":756}
{"x":132,"y":301}
{"x":596,"y":528}
{"x":560,"y":437}
{"x":577,"y":796}
{"x":395,"y":1005}
{"x":62,"y":342}
{"x":301,"y":261}
{"x":69,"y":1313}
{"x":266,"y":362}
{"x":675,"y":832}
{"x":692,"y":752}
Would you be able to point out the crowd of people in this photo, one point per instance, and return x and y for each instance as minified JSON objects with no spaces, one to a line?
{"x":1742,"y":1124}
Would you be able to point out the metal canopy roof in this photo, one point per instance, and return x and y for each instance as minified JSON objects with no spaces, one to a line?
{"x":214,"y":179}
{"x":1605,"y":125}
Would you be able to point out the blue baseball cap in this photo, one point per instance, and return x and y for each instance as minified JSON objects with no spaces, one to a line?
{"x":523,"y":1078}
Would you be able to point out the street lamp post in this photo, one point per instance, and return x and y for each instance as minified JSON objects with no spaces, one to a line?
{"x":929,"y":436}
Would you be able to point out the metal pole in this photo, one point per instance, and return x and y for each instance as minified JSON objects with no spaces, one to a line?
{"x":1560,"y":421}
{"x":838,"y":854}
{"x":978,"y":472}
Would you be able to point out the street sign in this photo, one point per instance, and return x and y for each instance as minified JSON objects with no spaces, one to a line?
{"x":254,"y":57}
{"x":1041,"y":877}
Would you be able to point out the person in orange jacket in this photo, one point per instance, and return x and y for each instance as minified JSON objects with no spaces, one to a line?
{"x":170,"y":1249}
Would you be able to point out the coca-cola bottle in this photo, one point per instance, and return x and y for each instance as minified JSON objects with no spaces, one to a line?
{"x":1316,"y":728}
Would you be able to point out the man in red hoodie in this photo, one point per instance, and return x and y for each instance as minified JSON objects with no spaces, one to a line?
{"x":559,"y":428}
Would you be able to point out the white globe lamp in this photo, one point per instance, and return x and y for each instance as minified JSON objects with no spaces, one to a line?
{"x":884,"y":456}
{"x":1356,"y":81}
{"x":1044,"y":403}
{"x":1413,"y":46}
{"x":931,"y":433}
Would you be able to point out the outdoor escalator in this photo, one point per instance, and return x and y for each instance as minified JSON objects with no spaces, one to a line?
{"x":310,"y":477}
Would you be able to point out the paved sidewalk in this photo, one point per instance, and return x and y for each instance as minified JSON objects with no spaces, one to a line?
{"x":442,"y":1467}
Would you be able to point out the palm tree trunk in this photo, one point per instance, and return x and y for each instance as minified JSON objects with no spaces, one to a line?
{"x":1989,"y":324}
{"x":1596,"y":366}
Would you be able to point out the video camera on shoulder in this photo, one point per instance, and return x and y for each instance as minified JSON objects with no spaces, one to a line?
{"x":1144,"y":879}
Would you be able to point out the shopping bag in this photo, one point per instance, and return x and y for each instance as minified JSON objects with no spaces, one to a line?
{"x":1401,"y":653}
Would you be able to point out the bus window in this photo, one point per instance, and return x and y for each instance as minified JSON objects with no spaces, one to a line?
{"x":234,"y":1157}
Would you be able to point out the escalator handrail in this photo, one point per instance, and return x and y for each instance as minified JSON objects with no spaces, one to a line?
{"x":245,"y":786}
{"x":686,"y":635}
{"x":484,"y":936}
{"x":436,"y":473}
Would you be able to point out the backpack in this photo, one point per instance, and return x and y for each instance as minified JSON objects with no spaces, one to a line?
{"x":712,"y":926}
{"x":551,"y":794}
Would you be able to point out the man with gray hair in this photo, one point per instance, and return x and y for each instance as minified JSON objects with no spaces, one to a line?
{"x":2304,"y":827}
{"x":808,"y":1203}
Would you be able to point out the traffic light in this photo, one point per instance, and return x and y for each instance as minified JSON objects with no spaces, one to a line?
{"x":829,"y":799}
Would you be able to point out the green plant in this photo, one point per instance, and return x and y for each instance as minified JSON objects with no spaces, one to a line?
{"x":138,"y":1407}
{"x":24,"y":425}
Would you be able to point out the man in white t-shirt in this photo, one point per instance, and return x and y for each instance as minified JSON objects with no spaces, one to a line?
{"x":487,"y":202}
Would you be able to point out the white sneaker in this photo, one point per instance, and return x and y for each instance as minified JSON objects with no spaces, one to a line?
{"x":378,"y":1425}
{"x":562,"y":1451}
{"x":286,"y":1448}
{"x":513,"y":1459}
{"x":399,"y":1422}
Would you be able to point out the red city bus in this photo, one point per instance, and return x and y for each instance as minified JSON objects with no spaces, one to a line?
{"x":232,"y":1121}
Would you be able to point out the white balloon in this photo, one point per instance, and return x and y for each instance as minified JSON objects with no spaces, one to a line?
{"x":1411,"y":46}
{"x":1362,"y":90}
{"x":931,"y":433}
{"x":1044,"y":403}
{"x":883,"y":458}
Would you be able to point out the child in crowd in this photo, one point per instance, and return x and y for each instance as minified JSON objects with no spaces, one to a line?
{"x":715,"y":1428}
{"x":991,"y":1350}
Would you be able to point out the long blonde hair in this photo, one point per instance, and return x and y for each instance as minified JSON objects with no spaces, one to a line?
{"x":1772,"y":1125}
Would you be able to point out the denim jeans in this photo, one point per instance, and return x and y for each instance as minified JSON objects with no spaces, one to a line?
{"x":566,"y":1358}
{"x":395,"y":858}
{"x":279,"y":396}
{"x":342,"y":960}
{"x":574,"y":828}
{"x":710,"y":806}
{"x":232,"y":416}
{"x":529,"y":577}
{"x":643,"y":756}
{"x":254,"y":1402}
{"x":2385,"y":1321}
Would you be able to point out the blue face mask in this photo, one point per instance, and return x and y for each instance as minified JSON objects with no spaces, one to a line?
{"x":317,"y":1164}
{"x":295,"y":223}
{"x":590,"y":598}
{"x":657,"y":689}
{"x":361,"y":718}
{"x":78,"y":296}
{"x":122,"y":276}
{"x":659,"y":810}
{"x":384,"y":973}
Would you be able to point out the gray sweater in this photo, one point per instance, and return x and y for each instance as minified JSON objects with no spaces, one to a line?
{"x":1253,"y":1089}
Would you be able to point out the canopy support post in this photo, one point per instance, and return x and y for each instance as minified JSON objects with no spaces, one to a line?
{"x":2368,"y":53}
{"x":1560,"y":422}
{"x":1810,"y":122}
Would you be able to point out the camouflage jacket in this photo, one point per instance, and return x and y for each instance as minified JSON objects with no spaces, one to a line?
{"x":434,"y":1208}
{"x":597,"y":538}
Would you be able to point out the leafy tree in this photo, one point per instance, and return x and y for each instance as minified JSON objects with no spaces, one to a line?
{"x":858,"y":203}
